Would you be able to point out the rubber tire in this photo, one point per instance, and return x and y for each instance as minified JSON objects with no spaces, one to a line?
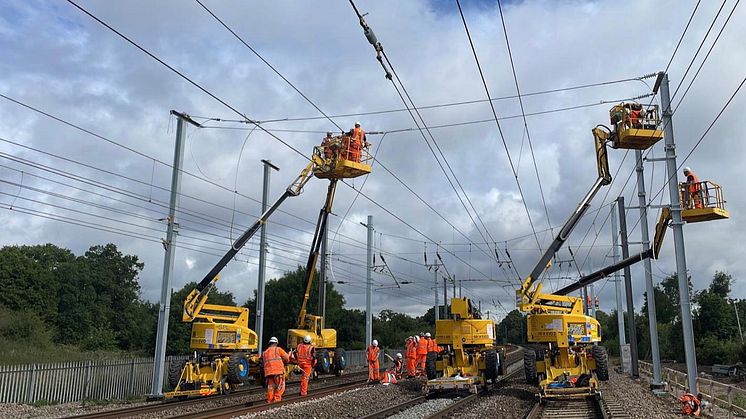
{"x":529,"y":367}
{"x":174,"y":372}
{"x":323,"y":363}
{"x":430,"y":369}
{"x":340,"y":361}
{"x":491,"y":365}
{"x":237,"y":375}
{"x":602,"y":362}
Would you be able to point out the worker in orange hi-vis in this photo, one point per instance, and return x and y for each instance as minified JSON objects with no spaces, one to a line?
{"x":432,"y":344}
{"x":693,"y":198}
{"x":411,"y":355}
{"x":305,"y":355}
{"x":274,"y":359}
{"x":374,"y":366}
{"x":690,"y":405}
{"x":356,"y":145}
{"x":421,"y":353}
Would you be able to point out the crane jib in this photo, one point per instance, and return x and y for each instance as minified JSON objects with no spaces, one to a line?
{"x":241,"y":242}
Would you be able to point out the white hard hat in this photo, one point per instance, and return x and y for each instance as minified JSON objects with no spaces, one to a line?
{"x":687,"y":169}
{"x":357,"y":122}
{"x":273,"y":340}
{"x":398,"y":355}
{"x":375,"y":342}
{"x":427,"y":335}
{"x":307,"y":339}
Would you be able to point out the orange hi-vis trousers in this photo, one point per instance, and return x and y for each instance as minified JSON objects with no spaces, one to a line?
{"x":374,"y":371}
{"x":305,"y":377}
{"x":411,"y":366}
{"x":421,"y":358}
{"x":275,"y":388}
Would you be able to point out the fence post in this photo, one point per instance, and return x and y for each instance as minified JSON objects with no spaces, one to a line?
{"x":87,"y":383}
{"x":730,"y":402}
{"x":712,"y":391}
{"x":130,"y":389}
{"x":31,"y":385}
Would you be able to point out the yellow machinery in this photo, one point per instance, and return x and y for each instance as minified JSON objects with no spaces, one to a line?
{"x":469,"y":357}
{"x":705,"y":203}
{"x":225,"y":347}
{"x":635,"y":126}
{"x":339,"y":164}
{"x":572,"y":362}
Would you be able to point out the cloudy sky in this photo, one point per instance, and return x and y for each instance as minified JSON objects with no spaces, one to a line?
{"x":110,"y":184}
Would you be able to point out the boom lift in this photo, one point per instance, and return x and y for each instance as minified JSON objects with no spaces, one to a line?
{"x":225,"y":347}
{"x":571,"y":358}
{"x":469,"y":357}
{"x":330,"y":358}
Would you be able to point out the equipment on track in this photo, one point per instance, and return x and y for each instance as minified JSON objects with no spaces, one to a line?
{"x":225,"y":347}
{"x":469,"y":358}
{"x":571,"y":362}
{"x":338,"y":164}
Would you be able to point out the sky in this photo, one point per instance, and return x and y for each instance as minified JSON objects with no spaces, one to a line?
{"x":448,"y":189}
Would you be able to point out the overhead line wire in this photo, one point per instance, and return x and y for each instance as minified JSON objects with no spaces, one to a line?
{"x":182,"y":75}
{"x":435,"y":106}
{"x":499,"y":128}
{"x":267,"y":63}
{"x":523,"y":111}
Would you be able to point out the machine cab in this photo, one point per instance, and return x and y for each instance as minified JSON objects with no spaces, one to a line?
{"x":702,"y":201}
{"x":341,"y":157}
{"x":635,"y":126}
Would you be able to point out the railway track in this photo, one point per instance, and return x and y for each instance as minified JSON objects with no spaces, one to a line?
{"x":514,"y":369}
{"x":175,"y":405}
{"x":230,"y":411}
{"x":592,"y":407}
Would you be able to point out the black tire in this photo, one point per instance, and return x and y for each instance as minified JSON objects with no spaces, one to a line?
{"x":491,"y":365}
{"x":529,"y":367}
{"x":602,"y":362}
{"x":323,"y":363}
{"x":430,"y":369}
{"x":238,"y":369}
{"x":174,"y":372}
{"x":340,"y":361}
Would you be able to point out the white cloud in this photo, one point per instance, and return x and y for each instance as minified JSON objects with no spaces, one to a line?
{"x":63,"y":62}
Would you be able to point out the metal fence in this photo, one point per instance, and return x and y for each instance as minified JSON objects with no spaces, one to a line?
{"x":726,"y":401}
{"x":65,"y":382}
{"x":117,"y":379}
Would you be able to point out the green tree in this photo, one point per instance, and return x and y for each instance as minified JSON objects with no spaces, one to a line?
{"x":513,"y":328}
{"x":282,"y":300}
{"x":29,"y":279}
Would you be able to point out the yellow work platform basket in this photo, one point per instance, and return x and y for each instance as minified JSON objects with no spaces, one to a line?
{"x":341,"y":158}
{"x":635,"y":126}
{"x":702,"y":202}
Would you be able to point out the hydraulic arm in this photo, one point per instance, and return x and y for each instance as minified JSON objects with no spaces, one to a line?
{"x":313,"y":255}
{"x":660,"y":232}
{"x":196,"y":300}
{"x":526,"y":295}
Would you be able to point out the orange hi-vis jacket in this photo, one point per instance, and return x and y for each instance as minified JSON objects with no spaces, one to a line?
{"x":411,"y":349}
{"x":432,"y":345}
{"x":274,"y":359}
{"x":422,"y":346}
{"x":373,"y":352}
{"x":358,"y":134}
{"x":304,"y":354}
{"x":693,"y":183}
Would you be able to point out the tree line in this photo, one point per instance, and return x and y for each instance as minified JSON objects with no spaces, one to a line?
{"x":51,"y":298}
{"x":715,"y":318}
